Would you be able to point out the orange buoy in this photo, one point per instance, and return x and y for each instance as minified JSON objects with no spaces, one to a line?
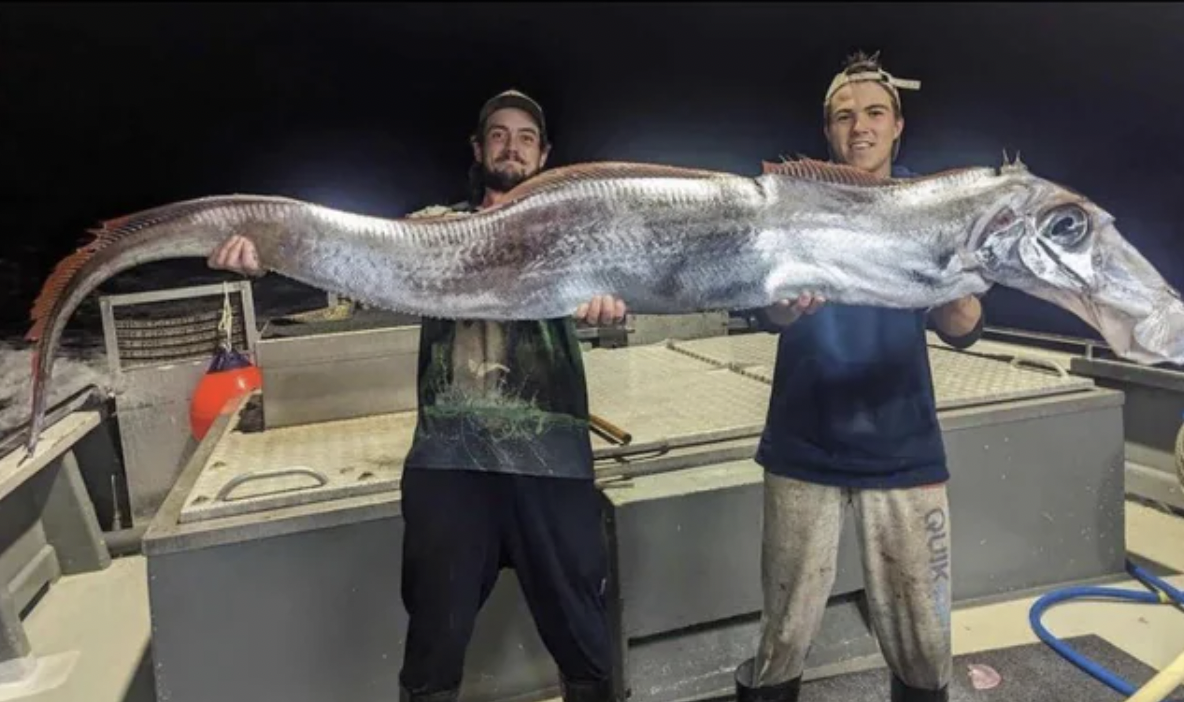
{"x":229,"y":377}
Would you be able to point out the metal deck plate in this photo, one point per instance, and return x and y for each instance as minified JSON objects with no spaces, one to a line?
{"x":660,"y":392}
{"x":249,"y":472}
{"x":657,"y":393}
{"x":964,"y":380}
{"x":960,"y":379}
{"x":653,"y":392}
{"x":753,"y":352}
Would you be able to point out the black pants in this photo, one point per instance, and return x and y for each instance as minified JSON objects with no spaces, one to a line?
{"x":461,"y":528}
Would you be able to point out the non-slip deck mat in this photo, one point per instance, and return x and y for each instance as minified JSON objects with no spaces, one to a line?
{"x":1030,"y":673}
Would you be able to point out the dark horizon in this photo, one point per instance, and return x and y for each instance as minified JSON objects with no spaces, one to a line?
{"x":109,"y":109}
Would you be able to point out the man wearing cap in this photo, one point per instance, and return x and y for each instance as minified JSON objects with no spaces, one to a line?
{"x":852,"y":419}
{"x":499,"y":473}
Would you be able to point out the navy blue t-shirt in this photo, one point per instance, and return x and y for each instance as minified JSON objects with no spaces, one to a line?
{"x":852,"y":402}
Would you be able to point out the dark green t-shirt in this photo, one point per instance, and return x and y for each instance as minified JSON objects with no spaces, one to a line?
{"x":502,"y":398}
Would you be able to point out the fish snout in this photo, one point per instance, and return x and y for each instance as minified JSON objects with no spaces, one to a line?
{"x":1137,"y":311}
{"x":1159,"y":337}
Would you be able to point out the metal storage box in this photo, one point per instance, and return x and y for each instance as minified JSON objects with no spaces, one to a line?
{"x":274,"y":544}
{"x":327,"y":377}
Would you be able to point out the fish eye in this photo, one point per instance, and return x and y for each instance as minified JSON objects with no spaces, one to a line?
{"x":1066,"y":226}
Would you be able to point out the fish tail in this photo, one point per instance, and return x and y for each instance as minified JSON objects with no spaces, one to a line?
{"x":112,"y":232}
{"x":46,"y":309}
{"x":109,"y":233}
{"x":35,"y":424}
{"x":76,"y":275}
{"x":57,"y":282}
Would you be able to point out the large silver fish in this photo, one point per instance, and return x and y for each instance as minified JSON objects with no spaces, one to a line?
{"x":672,"y":240}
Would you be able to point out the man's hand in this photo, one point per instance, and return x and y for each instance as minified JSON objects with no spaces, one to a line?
{"x":786,"y":312}
{"x":238,"y":254}
{"x":601,"y":311}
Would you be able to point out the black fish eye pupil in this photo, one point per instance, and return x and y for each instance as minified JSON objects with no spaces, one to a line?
{"x":1068,"y":227}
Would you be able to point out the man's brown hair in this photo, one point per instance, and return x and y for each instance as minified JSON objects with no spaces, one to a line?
{"x":860,"y":62}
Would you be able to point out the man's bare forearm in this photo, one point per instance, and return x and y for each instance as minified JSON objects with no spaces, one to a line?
{"x":781,"y":316}
{"x":959,"y":322}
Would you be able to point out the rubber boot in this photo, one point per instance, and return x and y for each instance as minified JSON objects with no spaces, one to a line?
{"x":903,"y":693}
{"x":587,"y":690}
{"x":443,"y":696}
{"x":781,"y":692}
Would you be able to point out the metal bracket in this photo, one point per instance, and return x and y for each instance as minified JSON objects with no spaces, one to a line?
{"x":165,"y":333}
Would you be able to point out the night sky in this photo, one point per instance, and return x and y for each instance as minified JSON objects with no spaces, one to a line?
{"x":107,"y":109}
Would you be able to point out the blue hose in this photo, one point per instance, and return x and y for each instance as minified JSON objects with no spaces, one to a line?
{"x":1165,"y":595}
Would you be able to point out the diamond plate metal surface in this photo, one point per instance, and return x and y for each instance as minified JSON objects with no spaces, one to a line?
{"x":960,"y":379}
{"x":301,"y":464}
{"x":741,"y":350}
{"x":963,"y":380}
{"x":671,"y":391}
{"x":652,"y":392}
{"x":657,"y":393}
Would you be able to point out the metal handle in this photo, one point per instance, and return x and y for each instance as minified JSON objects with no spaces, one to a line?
{"x":1017,"y":361}
{"x":224,"y":493}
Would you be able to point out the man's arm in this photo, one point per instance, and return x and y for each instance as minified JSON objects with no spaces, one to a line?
{"x":959,"y":323}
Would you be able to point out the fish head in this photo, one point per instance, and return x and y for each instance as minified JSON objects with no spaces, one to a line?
{"x":1055,"y":244}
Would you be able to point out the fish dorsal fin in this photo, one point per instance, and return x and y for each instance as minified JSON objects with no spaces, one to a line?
{"x":117,"y":227}
{"x":824,"y":172}
{"x":604,"y":169}
{"x":110,"y":232}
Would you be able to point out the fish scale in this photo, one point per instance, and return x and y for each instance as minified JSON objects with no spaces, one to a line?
{"x":670,"y":240}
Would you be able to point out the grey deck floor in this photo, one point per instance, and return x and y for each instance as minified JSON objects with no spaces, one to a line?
{"x":102,"y":620}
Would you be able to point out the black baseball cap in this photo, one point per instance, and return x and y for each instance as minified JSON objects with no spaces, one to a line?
{"x":515,"y":99}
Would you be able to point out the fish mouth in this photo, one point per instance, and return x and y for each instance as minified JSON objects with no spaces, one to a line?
{"x":1121,"y":294}
{"x":1159,"y":337}
{"x":1150,"y":332}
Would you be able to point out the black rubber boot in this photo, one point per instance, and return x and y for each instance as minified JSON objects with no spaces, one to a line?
{"x":903,"y":693}
{"x":444,"y":696}
{"x":781,"y":692}
{"x":587,"y":690}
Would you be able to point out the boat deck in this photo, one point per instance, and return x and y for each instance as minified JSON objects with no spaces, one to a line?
{"x":101,"y":620}
{"x":95,"y":629}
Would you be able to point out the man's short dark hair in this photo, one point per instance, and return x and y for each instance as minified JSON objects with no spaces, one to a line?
{"x":859,"y":62}
{"x":517,"y":100}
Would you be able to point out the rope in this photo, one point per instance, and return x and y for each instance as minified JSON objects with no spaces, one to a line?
{"x":1180,"y":455}
{"x":226,"y":323}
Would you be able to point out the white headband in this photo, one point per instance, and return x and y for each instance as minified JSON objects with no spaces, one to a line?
{"x":879,"y":76}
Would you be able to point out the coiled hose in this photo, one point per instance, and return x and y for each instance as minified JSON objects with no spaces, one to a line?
{"x":1180,"y":455}
{"x":1163,"y":593}
{"x":1170,"y":677}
